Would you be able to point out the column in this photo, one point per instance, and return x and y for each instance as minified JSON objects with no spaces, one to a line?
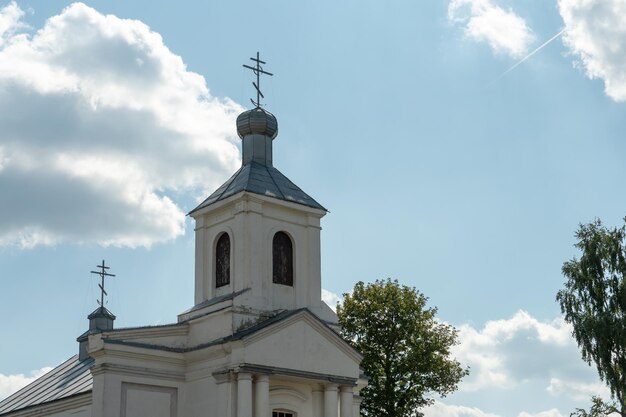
{"x":226,"y":393}
{"x":318,"y":400}
{"x":331,"y":405}
{"x":346,"y":401}
{"x":356,"y":410}
{"x":244,"y":394}
{"x":262,"y":396}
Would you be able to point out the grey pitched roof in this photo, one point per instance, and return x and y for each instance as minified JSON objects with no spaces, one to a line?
{"x":73,"y":377}
{"x":69,"y":379}
{"x":264,"y":180}
{"x":235,"y":336}
{"x":216,"y":300}
{"x":101,"y":312}
{"x":278,"y":317}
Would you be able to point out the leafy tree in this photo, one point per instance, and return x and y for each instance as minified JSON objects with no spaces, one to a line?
{"x":406,"y":350}
{"x":599,"y":408}
{"x":594,"y":302}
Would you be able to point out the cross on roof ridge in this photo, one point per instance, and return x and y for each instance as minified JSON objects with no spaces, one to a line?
{"x":103,"y":273}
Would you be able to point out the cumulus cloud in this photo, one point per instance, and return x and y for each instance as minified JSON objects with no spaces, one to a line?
{"x":578,"y":390}
{"x":506,"y":353}
{"x":11,"y":383}
{"x":483,"y":21}
{"x":440,"y":409}
{"x":548,"y":413}
{"x":331,"y":299}
{"x":595,"y":33}
{"x":10,"y":21}
{"x":102,"y":125}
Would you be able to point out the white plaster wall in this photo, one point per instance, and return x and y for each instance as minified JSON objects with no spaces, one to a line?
{"x":202,"y":397}
{"x":288,"y":395}
{"x":301,"y":347}
{"x":251,"y":222}
{"x":211,"y":327}
{"x":109,"y":395}
{"x":140,"y":400}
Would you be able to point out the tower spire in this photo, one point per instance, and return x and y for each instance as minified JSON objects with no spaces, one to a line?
{"x":101,"y":320}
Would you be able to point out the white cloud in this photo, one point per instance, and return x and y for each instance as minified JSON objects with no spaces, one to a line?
{"x":101,"y":123}
{"x":10,"y":21}
{"x":548,"y":413}
{"x":506,"y":353}
{"x":578,"y":390}
{"x":11,"y":383}
{"x":483,"y":21}
{"x":595,"y":33}
{"x":331,"y":299}
{"x":440,"y":409}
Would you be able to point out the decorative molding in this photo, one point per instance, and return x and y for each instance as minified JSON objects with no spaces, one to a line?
{"x":137,"y":371}
{"x":289,"y":391}
{"x":139,"y":351}
{"x":223,"y":376}
{"x":175,"y":329}
{"x":314,"y":376}
{"x":246,"y":196}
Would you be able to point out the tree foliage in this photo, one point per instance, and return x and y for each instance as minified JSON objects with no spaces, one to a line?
{"x":594,"y":302}
{"x":406,"y":350}
{"x":598,"y":408}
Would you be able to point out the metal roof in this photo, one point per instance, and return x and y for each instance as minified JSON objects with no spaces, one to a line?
{"x":70,"y":378}
{"x":73,"y":377}
{"x":278,"y":317}
{"x":215,"y":300}
{"x":264,"y":180}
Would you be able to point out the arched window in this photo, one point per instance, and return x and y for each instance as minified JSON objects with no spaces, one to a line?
{"x":282,"y":413}
{"x":282,"y":256}
{"x":222,"y":261}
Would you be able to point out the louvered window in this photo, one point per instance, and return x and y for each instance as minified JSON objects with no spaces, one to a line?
{"x":282,"y":259}
{"x":222,"y":261}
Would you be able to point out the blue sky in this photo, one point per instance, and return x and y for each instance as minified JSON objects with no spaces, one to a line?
{"x":117,"y":117}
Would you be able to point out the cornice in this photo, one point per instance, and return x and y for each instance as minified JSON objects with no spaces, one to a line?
{"x":255,"y":199}
{"x":111,"y":368}
{"x":177,"y":329}
{"x":256,"y":369}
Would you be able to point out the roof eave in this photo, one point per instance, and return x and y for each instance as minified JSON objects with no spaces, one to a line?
{"x":199,"y":211}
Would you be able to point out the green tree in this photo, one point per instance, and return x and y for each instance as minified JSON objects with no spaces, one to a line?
{"x":594,"y":302}
{"x":406,"y":351}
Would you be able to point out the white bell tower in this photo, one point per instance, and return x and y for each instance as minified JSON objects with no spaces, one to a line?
{"x":258,"y":235}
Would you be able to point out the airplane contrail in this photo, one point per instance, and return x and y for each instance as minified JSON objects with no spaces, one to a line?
{"x":521,"y":61}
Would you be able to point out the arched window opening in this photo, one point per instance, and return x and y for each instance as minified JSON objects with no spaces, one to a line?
{"x":281,"y":413}
{"x":282,"y":255}
{"x":222,"y":261}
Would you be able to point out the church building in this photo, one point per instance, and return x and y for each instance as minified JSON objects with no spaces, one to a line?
{"x":259,"y":341}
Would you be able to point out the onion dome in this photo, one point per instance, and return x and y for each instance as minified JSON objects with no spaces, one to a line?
{"x":257,"y":122}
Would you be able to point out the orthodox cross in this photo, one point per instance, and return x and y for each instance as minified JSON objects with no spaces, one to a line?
{"x":103,"y":273}
{"x":258,"y":70}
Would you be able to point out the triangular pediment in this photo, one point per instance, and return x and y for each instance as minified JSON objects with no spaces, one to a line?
{"x":301,"y":341}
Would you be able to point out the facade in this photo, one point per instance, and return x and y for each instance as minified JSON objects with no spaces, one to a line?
{"x":259,"y":341}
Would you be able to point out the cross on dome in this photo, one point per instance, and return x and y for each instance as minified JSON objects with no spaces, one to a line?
{"x":258,"y":70}
{"x":103,"y":273}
